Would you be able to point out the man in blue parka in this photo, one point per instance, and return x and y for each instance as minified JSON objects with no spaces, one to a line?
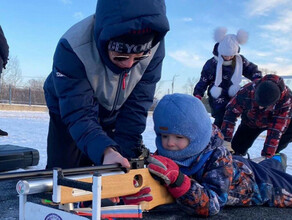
{"x":102,"y":84}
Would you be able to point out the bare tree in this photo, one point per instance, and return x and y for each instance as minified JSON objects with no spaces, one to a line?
{"x":35,"y":83}
{"x":12,"y":75}
{"x":190,"y":84}
{"x":12,"y":88}
{"x":35,"y":87}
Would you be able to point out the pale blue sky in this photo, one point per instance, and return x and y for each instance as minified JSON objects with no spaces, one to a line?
{"x":33,"y":28}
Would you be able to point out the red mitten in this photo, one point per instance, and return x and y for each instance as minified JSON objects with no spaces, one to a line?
{"x":176,"y":182}
{"x":198,"y":96}
{"x":135,"y":199}
{"x":269,"y":152}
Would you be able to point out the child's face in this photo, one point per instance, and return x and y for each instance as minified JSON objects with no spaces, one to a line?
{"x":227,"y":58}
{"x":174,"y":141}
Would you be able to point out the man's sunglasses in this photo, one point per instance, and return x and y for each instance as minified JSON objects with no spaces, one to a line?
{"x":136,"y":59}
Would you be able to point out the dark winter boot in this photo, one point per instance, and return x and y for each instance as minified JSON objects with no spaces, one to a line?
{"x":3,"y":133}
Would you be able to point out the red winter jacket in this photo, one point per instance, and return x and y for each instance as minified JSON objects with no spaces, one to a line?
{"x":274,"y":119}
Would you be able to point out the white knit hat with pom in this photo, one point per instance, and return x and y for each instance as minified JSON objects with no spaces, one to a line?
{"x":228,"y":46}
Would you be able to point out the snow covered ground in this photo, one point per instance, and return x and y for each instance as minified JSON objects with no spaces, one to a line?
{"x":29,"y":129}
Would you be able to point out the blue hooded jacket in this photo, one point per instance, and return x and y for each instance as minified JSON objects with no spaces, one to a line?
{"x":90,"y":93}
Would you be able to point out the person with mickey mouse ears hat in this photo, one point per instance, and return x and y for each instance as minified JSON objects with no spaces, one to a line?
{"x":222,"y":74}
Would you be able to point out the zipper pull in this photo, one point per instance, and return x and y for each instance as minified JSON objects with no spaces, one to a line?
{"x":124,"y":81}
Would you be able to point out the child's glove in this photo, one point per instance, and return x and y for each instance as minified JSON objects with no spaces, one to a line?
{"x":198,"y":96}
{"x":176,"y":182}
{"x":141,"y":196}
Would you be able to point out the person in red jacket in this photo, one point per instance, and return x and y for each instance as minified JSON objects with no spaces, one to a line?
{"x":264,"y":105}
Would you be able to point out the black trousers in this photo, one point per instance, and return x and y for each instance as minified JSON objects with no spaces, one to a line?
{"x":218,"y":115}
{"x":216,"y":111}
{"x":62,"y":150}
{"x":245,"y":136}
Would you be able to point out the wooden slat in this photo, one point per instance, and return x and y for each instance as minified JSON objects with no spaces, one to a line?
{"x":121,"y":185}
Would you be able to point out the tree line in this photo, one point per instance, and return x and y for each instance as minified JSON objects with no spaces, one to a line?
{"x":14,"y":91}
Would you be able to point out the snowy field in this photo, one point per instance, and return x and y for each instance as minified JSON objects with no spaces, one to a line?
{"x":29,"y":129}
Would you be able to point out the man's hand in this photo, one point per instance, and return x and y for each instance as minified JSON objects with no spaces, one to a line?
{"x":176,"y":182}
{"x":111,"y":156}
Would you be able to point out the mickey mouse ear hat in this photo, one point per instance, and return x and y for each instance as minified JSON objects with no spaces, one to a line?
{"x":228,"y":46}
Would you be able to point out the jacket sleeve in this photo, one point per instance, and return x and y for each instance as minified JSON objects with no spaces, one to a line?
{"x":233,"y":110}
{"x":78,"y":107}
{"x":206,"y":196}
{"x":205,"y":79}
{"x":280,"y":121}
{"x":250,"y":70}
{"x":4,"y":48}
{"x":131,"y":120}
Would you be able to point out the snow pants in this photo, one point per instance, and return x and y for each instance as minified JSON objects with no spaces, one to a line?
{"x":273,"y":182}
{"x":218,"y":115}
{"x":218,"y":109}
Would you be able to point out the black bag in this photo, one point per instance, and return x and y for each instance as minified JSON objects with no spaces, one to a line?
{"x":14,"y":157}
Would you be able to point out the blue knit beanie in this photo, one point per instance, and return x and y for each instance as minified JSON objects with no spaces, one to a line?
{"x":183,"y":115}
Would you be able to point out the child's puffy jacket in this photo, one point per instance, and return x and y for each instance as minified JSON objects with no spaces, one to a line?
{"x":224,"y":179}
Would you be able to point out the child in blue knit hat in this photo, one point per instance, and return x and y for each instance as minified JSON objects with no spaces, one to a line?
{"x":200,"y":172}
